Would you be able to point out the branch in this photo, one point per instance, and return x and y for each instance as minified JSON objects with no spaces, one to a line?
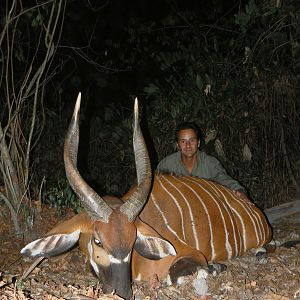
{"x":50,"y":52}
{"x":9,"y":168}
{"x":283,"y":210}
{"x":12,"y":212}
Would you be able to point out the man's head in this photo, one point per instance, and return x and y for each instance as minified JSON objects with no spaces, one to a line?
{"x":188,"y":138}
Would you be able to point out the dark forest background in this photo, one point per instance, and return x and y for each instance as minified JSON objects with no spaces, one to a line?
{"x":233,"y":67}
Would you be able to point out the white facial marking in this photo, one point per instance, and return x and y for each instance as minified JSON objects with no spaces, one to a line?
{"x":90,"y":248}
{"x":114,"y":260}
{"x":126,"y":259}
{"x":138,"y":277}
{"x":94,"y":265}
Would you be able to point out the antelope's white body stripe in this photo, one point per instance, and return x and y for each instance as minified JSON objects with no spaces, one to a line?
{"x":177,"y":205}
{"x":236,"y":233}
{"x":227,"y":244}
{"x":190,"y":214}
{"x":165,"y":219}
{"x":252,"y":216}
{"x":208,"y":218}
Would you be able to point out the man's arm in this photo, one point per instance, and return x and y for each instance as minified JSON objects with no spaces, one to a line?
{"x":220,"y":175}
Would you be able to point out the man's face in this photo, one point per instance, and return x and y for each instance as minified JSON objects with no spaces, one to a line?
{"x":188,"y":142}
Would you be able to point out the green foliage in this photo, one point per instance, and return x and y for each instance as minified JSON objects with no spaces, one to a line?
{"x":247,"y":18}
{"x":37,"y":21}
{"x":61,"y":197}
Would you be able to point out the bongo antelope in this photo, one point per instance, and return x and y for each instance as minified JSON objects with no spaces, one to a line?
{"x":167,"y":227}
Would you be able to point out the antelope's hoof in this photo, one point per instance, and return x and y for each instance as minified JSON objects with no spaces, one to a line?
{"x":261,"y":254}
{"x":215,"y":268}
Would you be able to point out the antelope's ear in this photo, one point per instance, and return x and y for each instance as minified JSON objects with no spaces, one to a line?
{"x":153,"y":247}
{"x":51,"y":245}
{"x":150,"y":244}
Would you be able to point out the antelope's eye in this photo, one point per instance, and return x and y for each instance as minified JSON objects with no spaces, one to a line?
{"x":97,"y":242}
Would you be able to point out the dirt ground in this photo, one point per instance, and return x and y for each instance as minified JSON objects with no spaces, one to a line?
{"x":69,"y":277}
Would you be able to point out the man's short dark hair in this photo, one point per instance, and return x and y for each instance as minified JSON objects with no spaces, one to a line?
{"x":189,"y":125}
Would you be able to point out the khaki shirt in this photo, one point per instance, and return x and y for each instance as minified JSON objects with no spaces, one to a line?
{"x":207,"y":167}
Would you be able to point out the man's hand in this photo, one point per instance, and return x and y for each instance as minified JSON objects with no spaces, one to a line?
{"x":241,"y":194}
